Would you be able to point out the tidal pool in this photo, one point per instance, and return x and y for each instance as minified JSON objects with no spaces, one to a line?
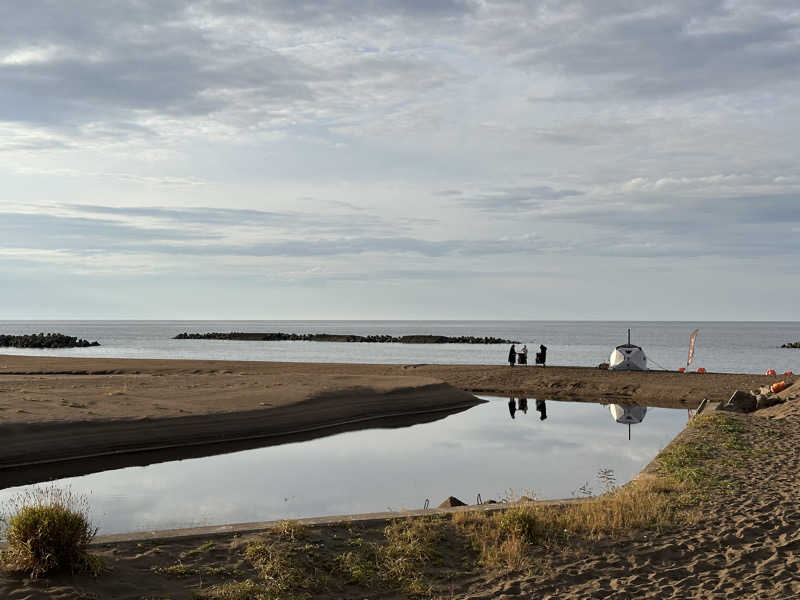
{"x":482,"y":450}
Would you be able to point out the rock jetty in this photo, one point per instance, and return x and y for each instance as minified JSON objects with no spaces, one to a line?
{"x":331,"y":337}
{"x":44,"y":340}
{"x":791,"y":345}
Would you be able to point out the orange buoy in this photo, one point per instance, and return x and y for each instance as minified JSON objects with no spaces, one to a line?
{"x":681,"y":369}
{"x":770,"y":372}
{"x":788,"y":373}
{"x":778,"y":387}
{"x":701,"y":370}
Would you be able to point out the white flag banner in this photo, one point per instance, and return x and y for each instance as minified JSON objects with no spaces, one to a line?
{"x":692,"y":338}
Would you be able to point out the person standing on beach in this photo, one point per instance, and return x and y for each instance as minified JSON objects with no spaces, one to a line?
{"x":523,"y":355}
{"x":512,"y":355}
{"x":541,"y":355}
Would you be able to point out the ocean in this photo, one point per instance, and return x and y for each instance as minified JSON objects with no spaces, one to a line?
{"x":727,"y":347}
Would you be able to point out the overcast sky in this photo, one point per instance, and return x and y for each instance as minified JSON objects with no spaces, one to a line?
{"x":400,"y":159}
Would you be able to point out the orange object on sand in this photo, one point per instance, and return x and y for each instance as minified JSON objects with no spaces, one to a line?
{"x":681,"y":369}
{"x":778,"y":387}
{"x":788,"y":373}
{"x":770,"y":372}
{"x":701,"y":370}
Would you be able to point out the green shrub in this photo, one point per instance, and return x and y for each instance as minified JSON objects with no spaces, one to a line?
{"x":48,"y":529}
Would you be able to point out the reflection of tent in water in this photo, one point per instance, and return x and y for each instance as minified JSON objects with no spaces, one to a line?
{"x":628,"y":414}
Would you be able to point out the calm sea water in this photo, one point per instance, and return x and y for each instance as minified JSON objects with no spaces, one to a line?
{"x":733,"y":347}
{"x":479,"y":451}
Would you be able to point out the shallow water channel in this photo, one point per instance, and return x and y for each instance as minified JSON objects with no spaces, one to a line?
{"x":482,"y":450}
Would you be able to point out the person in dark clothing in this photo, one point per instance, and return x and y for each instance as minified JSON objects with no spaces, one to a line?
{"x":541,"y":355}
{"x":512,"y":407}
{"x":522,"y":355}
{"x":522,"y":404}
{"x":542,"y":408}
{"x":512,"y":355}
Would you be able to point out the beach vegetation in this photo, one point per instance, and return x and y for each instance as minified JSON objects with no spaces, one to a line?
{"x":238,"y":590}
{"x":290,"y":530}
{"x":178,"y":570}
{"x":504,"y":539}
{"x":409,"y":546}
{"x":289,"y":567}
{"x":48,"y":529}
{"x":201,"y":549}
{"x":714,"y":439}
{"x":399,"y":560}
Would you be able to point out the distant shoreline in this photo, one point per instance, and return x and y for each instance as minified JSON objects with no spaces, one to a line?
{"x":44,"y":340}
{"x":337,"y":337}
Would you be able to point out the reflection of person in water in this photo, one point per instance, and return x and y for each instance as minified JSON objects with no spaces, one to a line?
{"x":542,"y":408}
{"x":512,"y":407}
{"x":522,"y":404}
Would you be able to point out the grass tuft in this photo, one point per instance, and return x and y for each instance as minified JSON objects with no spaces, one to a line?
{"x":237,"y":590}
{"x":47,"y":529}
{"x":275,"y":567}
{"x":290,"y":530}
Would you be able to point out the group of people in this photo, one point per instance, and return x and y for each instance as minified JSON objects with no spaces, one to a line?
{"x":522,"y":404}
{"x":521,"y":357}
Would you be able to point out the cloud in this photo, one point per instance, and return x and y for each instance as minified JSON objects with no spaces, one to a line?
{"x":52,"y":232}
{"x":649,"y":51}
{"x":403,"y":140}
{"x":515,"y":200}
{"x":247,"y":218}
{"x":141,"y":69}
{"x":213,"y":232}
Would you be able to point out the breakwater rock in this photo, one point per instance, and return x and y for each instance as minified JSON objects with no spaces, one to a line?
{"x":791,"y":345}
{"x":331,"y":337}
{"x":44,"y":340}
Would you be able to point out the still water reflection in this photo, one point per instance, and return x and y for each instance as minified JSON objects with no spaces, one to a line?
{"x":551,"y":452}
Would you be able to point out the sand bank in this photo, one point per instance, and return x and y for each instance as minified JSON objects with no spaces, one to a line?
{"x":137,"y":388}
{"x":48,"y":448}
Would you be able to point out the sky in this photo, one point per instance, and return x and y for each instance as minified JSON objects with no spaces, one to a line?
{"x":417,"y":159}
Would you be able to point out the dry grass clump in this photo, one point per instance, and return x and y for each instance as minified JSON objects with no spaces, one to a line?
{"x":281,"y":568}
{"x":285,"y":568}
{"x":410,"y":545}
{"x":238,"y":590}
{"x":290,"y":530}
{"x":47,"y":529}
{"x":645,"y":503}
{"x":400,"y":559}
{"x":504,"y":539}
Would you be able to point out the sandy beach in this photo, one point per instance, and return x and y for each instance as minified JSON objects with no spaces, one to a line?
{"x":36,"y":389}
{"x":744,"y":542}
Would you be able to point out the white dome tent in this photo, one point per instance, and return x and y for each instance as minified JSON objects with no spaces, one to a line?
{"x":628,"y":357}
